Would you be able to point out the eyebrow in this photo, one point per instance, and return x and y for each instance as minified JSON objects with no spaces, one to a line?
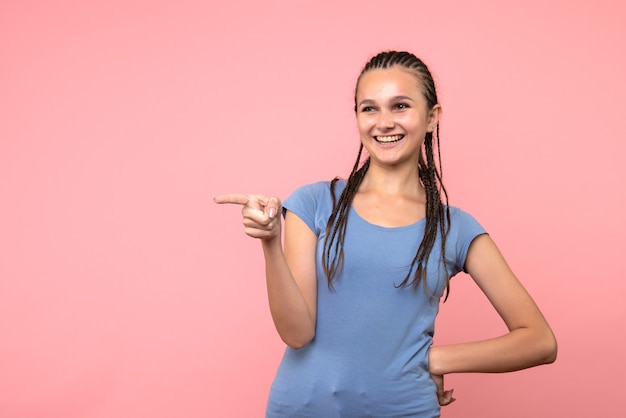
{"x":393,"y":99}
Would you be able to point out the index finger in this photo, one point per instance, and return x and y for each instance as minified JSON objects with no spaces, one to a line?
{"x":238,"y":199}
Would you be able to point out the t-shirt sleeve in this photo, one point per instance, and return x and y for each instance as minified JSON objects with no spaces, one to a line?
{"x":463,"y":230}
{"x":304,"y":202}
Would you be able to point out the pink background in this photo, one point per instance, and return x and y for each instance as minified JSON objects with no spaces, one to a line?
{"x":125,"y":292}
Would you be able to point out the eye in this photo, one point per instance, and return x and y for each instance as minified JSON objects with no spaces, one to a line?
{"x":367,"y":109}
{"x":401,"y":106}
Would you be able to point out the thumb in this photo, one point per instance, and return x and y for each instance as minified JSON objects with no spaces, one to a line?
{"x":273,"y":207}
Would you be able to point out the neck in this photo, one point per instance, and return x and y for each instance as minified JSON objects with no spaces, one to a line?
{"x":393,"y":181}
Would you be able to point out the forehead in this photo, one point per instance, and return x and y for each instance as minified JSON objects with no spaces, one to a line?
{"x":389,"y":81}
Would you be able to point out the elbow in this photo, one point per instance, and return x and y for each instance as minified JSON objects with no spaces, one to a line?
{"x":548,"y":349}
{"x":298,"y":342}
{"x":551,"y":357}
{"x":296,"y":345}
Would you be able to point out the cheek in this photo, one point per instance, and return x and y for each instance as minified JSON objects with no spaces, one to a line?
{"x":363,"y":124}
{"x":414,"y":123}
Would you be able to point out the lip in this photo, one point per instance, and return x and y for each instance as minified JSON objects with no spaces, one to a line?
{"x":388,"y":139}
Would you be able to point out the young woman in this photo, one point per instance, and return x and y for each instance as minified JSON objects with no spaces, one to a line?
{"x":355,"y":290}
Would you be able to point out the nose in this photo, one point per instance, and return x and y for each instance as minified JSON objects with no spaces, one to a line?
{"x":385,"y":120}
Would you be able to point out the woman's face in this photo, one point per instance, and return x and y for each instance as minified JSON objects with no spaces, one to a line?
{"x":392,"y":115}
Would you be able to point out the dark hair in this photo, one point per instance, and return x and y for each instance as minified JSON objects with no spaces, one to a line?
{"x":437,"y":212}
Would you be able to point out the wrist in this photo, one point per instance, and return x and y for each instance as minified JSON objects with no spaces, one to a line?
{"x":434,"y":361}
{"x":271,"y":244}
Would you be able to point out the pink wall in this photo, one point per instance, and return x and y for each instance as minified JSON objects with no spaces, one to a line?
{"x":124,"y":292}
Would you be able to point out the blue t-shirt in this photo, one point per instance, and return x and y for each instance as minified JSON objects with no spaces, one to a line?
{"x":369,"y":357}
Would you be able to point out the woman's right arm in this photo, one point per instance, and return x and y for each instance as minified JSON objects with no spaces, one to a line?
{"x":292,"y":283}
{"x":290,"y":273}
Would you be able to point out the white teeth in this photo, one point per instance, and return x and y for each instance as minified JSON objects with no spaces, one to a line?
{"x":388,"y":139}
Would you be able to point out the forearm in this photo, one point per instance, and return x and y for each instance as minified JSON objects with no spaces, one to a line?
{"x":529,"y":342}
{"x":290,"y":312}
{"x":519,"y":349}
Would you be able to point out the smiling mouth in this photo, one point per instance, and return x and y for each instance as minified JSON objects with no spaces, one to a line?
{"x":390,"y":139}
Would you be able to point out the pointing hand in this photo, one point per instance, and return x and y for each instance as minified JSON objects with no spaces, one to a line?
{"x":260,"y":214}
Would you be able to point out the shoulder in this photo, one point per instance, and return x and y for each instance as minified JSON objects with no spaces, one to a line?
{"x":463,"y":225}
{"x":464,"y":228}
{"x":312,"y":188}
{"x":460,"y":217}
{"x":308,"y":192}
{"x":313,"y":203}
{"x":314,"y":192}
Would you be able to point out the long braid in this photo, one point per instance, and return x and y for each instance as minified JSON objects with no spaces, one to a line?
{"x":444,"y":209}
{"x":437,"y":212}
{"x":332,"y":260}
{"x":437,"y":217}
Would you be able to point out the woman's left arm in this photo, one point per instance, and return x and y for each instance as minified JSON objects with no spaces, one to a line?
{"x":529,"y":342}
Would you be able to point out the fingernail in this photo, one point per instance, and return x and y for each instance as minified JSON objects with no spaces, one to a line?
{"x":272,"y":212}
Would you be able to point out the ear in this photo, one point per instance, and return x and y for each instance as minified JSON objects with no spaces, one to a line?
{"x":433,"y":117}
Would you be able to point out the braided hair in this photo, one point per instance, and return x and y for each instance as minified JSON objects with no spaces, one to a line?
{"x":430,"y":175}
